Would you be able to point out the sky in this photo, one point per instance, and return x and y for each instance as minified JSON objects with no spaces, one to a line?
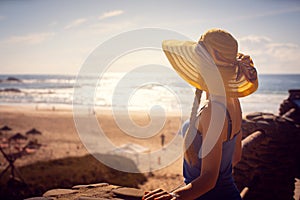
{"x":57,"y":36}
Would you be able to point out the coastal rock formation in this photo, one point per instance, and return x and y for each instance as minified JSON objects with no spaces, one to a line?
{"x":11,"y":90}
{"x":11,"y":79}
{"x":290,"y":108}
{"x":271,"y":150}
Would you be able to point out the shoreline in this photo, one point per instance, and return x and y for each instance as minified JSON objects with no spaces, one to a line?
{"x":69,"y":108}
{"x":63,"y":108}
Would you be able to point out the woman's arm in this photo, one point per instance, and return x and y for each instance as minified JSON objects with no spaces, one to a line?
{"x":209,"y":175}
{"x":237,"y":150}
{"x":209,"y":168}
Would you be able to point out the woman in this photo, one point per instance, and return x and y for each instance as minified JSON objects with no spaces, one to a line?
{"x":213,"y":140}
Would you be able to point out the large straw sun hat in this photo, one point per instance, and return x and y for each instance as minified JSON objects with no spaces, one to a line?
{"x":214,"y":55}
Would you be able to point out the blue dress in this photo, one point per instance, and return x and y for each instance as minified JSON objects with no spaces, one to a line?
{"x":225,"y":187}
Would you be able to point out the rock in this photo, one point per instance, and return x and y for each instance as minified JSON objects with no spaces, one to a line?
{"x":128,"y":192}
{"x":80,"y":186}
{"x":91,"y":198}
{"x":90,"y":185}
{"x":253,"y":140}
{"x":292,"y":102}
{"x":13,"y":79}
{"x":40,"y":198}
{"x":265,"y":117}
{"x":11,"y":90}
{"x":98,"y":185}
{"x":58,"y":192}
{"x":292,"y":116}
{"x":262,"y":123}
{"x":271,"y":152}
{"x":98,"y":191}
{"x":251,"y":116}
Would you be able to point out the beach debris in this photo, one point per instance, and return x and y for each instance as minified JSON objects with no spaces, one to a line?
{"x":5,"y":128}
{"x":17,"y":136}
{"x":33,"y":132}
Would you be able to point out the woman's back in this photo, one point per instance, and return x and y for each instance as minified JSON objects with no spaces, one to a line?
{"x":225,"y":187}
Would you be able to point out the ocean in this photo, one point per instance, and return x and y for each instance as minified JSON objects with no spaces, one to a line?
{"x":115,"y":91}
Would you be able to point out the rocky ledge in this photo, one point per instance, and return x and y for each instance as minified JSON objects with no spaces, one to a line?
{"x":99,"y":191}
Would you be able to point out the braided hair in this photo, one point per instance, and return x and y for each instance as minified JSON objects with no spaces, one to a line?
{"x":189,"y":150}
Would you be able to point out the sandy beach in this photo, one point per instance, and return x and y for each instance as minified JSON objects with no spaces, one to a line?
{"x":60,"y":139}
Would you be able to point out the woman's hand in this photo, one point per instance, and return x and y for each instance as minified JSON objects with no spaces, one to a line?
{"x":158,"y":194}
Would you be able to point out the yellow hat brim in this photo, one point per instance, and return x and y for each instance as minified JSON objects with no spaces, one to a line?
{"x":195,"y":66}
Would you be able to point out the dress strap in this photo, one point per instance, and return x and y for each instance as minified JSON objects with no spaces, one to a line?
{"x":201,"y":109}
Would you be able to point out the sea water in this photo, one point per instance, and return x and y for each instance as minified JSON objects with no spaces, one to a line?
{"x":137,"y":93}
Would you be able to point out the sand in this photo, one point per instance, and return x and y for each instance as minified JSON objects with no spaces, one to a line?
{"x":60,"y":138}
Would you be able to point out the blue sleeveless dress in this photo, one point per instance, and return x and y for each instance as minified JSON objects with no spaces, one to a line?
{"x":225,"y":187}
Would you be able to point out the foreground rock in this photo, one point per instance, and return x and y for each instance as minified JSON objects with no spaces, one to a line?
{"x":99,"y":191}
{"x":271,"y":150}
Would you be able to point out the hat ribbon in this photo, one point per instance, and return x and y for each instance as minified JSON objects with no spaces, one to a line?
{"x":245,"y":66}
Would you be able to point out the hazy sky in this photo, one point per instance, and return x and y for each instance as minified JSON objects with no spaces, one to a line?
{"x":57,"y":36}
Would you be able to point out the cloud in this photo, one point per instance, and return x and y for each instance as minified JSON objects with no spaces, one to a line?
{"x":53,"y":23}
{"x":34,"y":38}
{"x":284,"y":51}
{"x":2,"y":17}
{"x":261,"y":14}
{"x":273,"y":57}
{"x":276,"y":12}
{"x":104,"y":28}
{"x":76,"y":23}
{"x":111,"y":14}
{"x":255,"y":39}
{"x":262,"y":46}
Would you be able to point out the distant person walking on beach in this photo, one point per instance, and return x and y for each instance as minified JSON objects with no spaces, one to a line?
{"x":162,"y":137}
{"x":213,"y":65}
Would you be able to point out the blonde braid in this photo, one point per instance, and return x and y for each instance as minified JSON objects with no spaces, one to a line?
{"x":192,"y":131}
